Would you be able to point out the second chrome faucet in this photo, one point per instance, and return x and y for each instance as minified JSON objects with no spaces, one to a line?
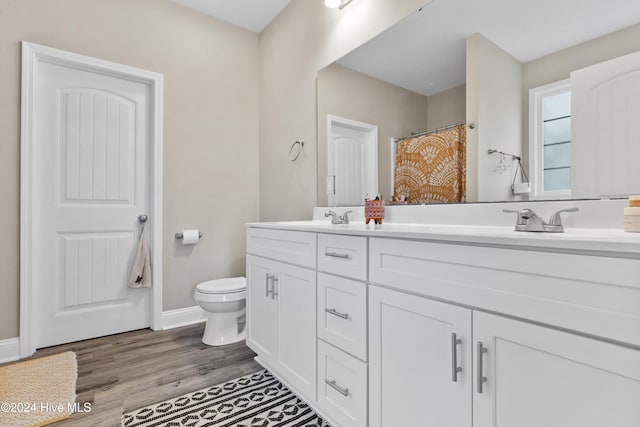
{"x":528,"y":220}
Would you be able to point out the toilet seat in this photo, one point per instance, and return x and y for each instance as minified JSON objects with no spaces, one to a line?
{"x":221,"y":290}
{"x":223,"y":286}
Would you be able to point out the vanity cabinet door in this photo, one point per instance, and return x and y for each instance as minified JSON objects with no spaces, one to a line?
{"x":537,"y":376}
{"x":412,"y":360}
{"x":295,"y":295}
{"x":281,"y":321}
{"x":261,"y":331}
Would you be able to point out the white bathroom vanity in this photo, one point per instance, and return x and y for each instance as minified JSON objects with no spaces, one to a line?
{"x":419,"y":324}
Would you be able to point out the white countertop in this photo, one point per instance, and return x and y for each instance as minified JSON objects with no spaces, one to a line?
{"x":603,"y":242}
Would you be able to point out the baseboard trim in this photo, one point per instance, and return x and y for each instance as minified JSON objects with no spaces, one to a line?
{"x":9,"y":350}
{"x":183,"y":317}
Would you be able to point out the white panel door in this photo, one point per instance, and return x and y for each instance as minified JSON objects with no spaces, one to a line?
{"x":538,"y":376}
{"x":605,"y":107}
{"x":412,"y":360}
{"x":91,"y":154}
{"x":353,"y":161}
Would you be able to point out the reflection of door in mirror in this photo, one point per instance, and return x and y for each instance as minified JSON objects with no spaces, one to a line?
{"x":352,"y":161}
{"x":605,"y":105}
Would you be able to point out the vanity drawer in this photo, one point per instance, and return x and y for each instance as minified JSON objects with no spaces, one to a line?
{"x":596,"y":295}
{"x":342,"y":386}
{"x":343,"y":255}
{"x":342,"y":313}
{"x":294,"y":247}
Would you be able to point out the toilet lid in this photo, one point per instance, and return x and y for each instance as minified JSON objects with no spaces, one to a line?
{"x":223,"y":286}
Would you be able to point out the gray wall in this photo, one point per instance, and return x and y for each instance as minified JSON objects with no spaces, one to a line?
{"x":210,"y":126}
{"x":447,"y":107}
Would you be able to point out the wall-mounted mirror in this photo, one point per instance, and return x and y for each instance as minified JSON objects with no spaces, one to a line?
{"x":489,"y":64}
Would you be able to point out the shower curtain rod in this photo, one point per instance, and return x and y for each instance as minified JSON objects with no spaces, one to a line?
{"x":416,"y":135}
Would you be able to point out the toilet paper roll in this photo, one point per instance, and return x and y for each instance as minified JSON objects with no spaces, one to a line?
{"x":190,"y":237}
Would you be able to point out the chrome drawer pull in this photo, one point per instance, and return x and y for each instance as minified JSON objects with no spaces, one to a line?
{"x":269,"y":279}
{"x":337,"y":255}
{"x":337,"y":313}
{"x":454,"y":357}
{"x":480,"y":379}
{"x":336,"y":387}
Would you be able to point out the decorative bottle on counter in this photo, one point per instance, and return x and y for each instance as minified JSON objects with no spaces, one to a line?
{"x":374,"y":210}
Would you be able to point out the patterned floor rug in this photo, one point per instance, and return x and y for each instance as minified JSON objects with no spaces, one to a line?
{"x":255,"y":400}
{"x":39,"y":391}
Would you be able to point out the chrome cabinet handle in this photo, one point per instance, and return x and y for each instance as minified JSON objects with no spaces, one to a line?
{"x":480,"y":379}
{"x":454,"y":357}
{"x":269,"y":278}
{"x":337,"y":255}
{"x":275,"y":281}
{"x":337,"y":313}
{"x":336,"y":387}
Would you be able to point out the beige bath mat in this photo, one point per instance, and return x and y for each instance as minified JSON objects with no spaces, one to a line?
{"x":38,"y":392}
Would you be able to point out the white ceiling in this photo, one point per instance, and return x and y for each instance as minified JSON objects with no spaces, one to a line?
{"x":425,"y":53}
{"x":252,"y":15}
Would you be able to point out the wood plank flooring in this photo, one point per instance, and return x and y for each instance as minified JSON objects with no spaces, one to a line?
{"x":124,"y":372}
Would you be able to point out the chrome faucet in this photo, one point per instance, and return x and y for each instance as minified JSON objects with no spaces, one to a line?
{"x":335,"y":219}
{"x":528,"y":220}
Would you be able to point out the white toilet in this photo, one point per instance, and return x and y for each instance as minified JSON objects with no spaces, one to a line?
{"x":224,"y":300}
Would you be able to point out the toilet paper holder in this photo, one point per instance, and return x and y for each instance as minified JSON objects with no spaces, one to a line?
{"x":179,"y":235}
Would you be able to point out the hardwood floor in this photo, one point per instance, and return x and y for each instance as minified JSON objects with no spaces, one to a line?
{"x":124,"y":372}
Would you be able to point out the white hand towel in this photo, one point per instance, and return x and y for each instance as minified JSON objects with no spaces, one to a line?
{"x":141,"y":271}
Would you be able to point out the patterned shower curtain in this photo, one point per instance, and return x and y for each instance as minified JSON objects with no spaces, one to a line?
{"x":432,"y":168}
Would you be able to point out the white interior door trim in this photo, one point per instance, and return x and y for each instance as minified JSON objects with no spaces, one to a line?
{"x":32,"y":55}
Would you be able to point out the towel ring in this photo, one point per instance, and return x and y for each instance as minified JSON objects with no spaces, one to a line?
{"x":300,"y":144}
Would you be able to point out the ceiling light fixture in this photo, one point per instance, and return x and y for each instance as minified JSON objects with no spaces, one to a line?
{"x":340,"y":4}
